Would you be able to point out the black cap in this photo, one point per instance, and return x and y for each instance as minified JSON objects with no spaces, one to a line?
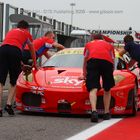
{"x":97,"y":36}
{"x":23,"y":24}
{"x":128,"y":38}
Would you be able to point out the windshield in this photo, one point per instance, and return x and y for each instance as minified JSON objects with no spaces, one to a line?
{"x":75,"y":61}
{"x":68,"y":60}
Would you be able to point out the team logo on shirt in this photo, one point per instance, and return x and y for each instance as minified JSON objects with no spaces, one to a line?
{"x":47,"y":45}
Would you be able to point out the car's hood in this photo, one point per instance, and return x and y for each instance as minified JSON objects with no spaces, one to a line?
{"x":56,"y":77}
{"x":63,"y":78}
{"x":67,"y":78}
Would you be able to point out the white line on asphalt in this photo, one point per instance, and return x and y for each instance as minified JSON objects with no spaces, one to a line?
{"x":84,"y":135}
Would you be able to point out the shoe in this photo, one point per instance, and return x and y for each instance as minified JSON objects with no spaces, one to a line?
{"x":0,"y":113}
{"x":94,"y":116}
{"x":107,"y":116}
{"x":9,"y":109}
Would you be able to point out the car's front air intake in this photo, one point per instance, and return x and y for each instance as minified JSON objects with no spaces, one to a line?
{"x":31,"y":99}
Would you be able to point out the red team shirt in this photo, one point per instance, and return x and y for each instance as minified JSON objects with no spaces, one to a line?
{"x":17,"y":37}
{"x":99,"y":49}
{"x":41,"y":42}
{"x":41,"y":45}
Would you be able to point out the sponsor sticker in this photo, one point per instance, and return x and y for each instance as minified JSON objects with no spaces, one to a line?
{"x":66,"y":82}
{"x":71,"y":51}
{"x":37,"y":109}
{"x":119,"y":108}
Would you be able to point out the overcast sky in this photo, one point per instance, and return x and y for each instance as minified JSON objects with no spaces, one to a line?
{"x":89,"y":14}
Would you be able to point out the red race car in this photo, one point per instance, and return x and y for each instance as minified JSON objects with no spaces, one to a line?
{"x":55,"y":87}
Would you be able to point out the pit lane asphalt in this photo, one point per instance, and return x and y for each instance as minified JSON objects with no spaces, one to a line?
{"x":36,"y":126}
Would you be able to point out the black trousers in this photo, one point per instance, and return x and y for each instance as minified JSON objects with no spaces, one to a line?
{"x":10,"y":62}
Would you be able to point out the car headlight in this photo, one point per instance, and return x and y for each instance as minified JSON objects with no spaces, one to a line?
{"x":28,"y":77}
{"x":118,"y":78}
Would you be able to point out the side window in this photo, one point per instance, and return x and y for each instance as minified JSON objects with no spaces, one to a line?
{"x":121,"y":64}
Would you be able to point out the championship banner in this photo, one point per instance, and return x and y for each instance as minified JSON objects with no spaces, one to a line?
{"x":118,"y":35}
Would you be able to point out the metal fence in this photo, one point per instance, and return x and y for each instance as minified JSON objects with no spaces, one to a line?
{"x":9,"y":10}
{"x":47,"y":23}
{"x":1,"y":21}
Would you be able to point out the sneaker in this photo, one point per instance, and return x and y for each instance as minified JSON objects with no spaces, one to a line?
{"x":106,"y":116}
{"x":0,"y":113}
{"x":94,"y":116}
{"x":9,"y":109}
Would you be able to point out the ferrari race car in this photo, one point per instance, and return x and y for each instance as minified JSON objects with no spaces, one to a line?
{"x":55,"y":87}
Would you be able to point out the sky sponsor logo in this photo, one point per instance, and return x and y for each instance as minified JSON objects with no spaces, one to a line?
{"x":67,"y":81}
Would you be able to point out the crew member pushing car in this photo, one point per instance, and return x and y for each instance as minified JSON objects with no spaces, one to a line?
{"x":98,"y":61}
{"x":42,"y":45}
{"x":132,"y":48}
{"x":10,"y":59}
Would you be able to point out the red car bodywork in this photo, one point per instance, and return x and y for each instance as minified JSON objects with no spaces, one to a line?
{"x":58,"y":90}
